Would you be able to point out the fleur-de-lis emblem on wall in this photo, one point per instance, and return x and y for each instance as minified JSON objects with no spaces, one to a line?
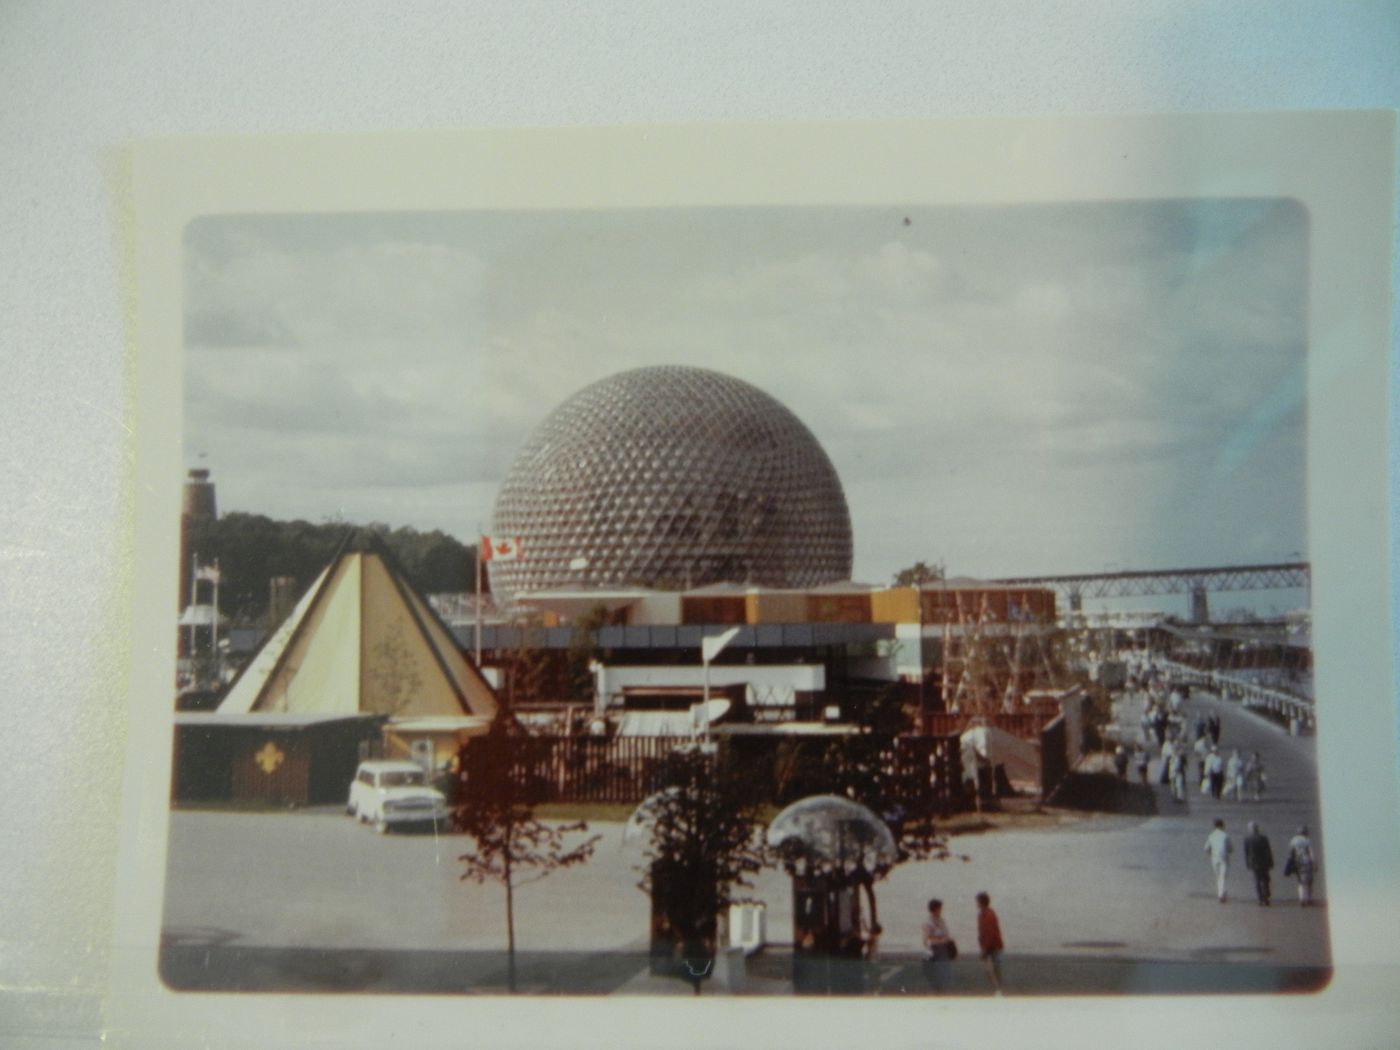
{"x":269,"y":758}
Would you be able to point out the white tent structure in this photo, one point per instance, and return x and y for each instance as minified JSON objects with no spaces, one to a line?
{"x":361,"y":641}
{"x":988,"y":747}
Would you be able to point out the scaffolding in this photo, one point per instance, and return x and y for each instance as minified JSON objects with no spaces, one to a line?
{"x":989,"y":663}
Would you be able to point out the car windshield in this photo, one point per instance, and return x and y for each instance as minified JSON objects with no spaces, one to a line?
{"x":393,"y":780}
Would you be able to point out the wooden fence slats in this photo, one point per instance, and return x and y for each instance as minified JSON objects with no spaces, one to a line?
{"x":926,"y":770}
{"x":1028,"y":725}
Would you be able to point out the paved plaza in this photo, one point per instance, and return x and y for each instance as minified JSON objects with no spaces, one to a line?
{"x":1096,"y":903}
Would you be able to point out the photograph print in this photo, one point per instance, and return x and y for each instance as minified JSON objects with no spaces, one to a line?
{"x":839,"y":600}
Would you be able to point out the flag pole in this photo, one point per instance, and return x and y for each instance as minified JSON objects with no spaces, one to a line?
{"x":705,"y":702}
{"x":214,"y":624}
{"x":477,"y":596}
{"x":194,"y":585}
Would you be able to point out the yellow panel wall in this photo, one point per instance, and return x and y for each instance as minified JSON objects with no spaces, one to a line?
{"x":895,"y":605}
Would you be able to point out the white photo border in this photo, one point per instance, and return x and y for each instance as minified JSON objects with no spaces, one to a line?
{"x":1339,"y":166}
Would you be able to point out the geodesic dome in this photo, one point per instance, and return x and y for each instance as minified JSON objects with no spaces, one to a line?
{"x":671,"y":477}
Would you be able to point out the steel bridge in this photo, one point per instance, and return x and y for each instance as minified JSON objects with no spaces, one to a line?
{"x":1198,"y":583}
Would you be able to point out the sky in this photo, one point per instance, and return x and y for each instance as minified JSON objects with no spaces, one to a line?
{"x":1035,"y":389}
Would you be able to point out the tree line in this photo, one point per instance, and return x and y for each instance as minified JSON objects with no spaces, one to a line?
{"x":252,"y":549}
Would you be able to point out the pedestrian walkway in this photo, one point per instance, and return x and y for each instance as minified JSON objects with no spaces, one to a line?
{"x":229,"y":968}
{"x":1098,"y":904}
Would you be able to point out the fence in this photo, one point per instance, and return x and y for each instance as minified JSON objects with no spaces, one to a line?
{"x":1026,"y":725}
{"x":929,"y":775}
{"x":595,"y":769}
{"x":921,"y":775}
{"x":1283,"y":705}
{"x":1054,"y":756}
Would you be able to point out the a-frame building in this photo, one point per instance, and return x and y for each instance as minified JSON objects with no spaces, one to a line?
{"x":361,"y":664}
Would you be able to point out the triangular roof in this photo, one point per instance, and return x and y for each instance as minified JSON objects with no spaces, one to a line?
{"x":362,"y":641}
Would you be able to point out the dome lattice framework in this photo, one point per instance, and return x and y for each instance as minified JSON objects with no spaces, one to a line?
{"x":672,"y":477}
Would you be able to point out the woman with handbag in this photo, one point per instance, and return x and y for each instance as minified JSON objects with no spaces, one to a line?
{"x":941,"y":948}
{"x":1302,"y":865}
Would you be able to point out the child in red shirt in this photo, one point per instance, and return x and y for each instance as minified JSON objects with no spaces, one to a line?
{"x":989,"y":940}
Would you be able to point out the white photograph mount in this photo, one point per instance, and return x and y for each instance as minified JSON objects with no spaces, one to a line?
{"x":1030,"y":347}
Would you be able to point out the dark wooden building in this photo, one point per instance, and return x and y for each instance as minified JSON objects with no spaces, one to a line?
{"x":292,"y":759}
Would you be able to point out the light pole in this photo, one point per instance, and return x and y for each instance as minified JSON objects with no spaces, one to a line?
{"x":710,"y":648}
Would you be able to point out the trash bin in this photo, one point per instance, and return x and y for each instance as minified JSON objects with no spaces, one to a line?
{"x":748,"y":927}
{"x":731,"y":970}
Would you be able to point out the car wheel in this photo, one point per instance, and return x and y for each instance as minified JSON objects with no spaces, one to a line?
{"x":350,"y":811}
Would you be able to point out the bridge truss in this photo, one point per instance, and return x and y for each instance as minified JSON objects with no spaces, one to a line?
{"x":1196,"y":582}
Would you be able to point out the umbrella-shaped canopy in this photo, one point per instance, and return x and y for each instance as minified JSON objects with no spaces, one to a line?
{"x":639,"y":823}
{"x":831,"y":833}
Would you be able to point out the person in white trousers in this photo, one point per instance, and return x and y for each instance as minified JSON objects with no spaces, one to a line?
{"x":1219,"y":846}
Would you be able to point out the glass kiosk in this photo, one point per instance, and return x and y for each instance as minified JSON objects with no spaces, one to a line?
{"x":834,"y":849}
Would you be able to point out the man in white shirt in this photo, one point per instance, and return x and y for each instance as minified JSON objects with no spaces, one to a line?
{"x":1215,"y":772}
{"x":1219,"y":846}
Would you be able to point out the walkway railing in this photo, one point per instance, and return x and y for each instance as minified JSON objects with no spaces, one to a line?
{"x":1250,"y":694}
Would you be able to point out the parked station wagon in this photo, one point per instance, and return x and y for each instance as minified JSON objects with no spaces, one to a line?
{"x":386,"y":793}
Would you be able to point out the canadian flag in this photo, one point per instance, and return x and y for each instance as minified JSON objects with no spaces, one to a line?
{"x":496,"y":548}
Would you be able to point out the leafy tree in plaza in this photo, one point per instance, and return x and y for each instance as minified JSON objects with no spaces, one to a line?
{"x":703,"y":844}
{"x":864,"y":766}
{"x":509,"y":844}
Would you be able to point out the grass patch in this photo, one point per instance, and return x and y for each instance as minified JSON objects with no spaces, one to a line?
{"x":616,"y":812}
{"x":1105,"y":793}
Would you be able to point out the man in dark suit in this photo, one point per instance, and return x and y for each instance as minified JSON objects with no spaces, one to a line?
{"x":1259,"y":859}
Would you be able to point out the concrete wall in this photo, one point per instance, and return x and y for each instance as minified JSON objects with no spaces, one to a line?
{"x":661,"y":608}
{"x":776,"y":606}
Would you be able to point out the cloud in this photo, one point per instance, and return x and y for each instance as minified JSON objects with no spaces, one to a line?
{"x":343,"y":298}
{"x":231,"y":328}
{"x":1031,"y":386}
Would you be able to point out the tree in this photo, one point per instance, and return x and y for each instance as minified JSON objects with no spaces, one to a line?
{"x":703,"y":828}
{"x":509,"y":844}
{"x":920,"y":573}
{"x":251,"y":549}
{"x":393,"y":673}
{"x":583,"y":650}
{"x":530,"y":669}
{"x":863,"y":766}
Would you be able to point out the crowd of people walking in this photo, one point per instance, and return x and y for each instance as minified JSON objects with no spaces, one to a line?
{"x":1186,"y":748}
{"x":1189,"y":751}
{"x":1186,"y":744}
